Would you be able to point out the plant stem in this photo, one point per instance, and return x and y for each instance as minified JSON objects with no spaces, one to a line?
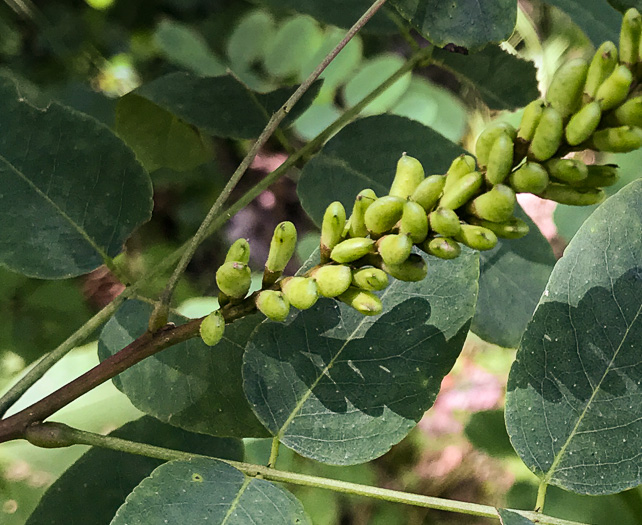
{"x":274,"y":452}
{"x":541,"y":496}
{"x":58,"y":434}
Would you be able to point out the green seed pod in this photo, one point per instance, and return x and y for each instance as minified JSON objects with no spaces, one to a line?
{"x":362,"y":301}
{"x":565,"y":91}
{"x":460,"y":193}
{"x":282,"y":248}
{"x":444,"y":221}
{"x":332,"y":280}
{"x":583,"y":123}
{"x":301,"y":292}
{"x":383,"y":214}
{"x":630,"y":113}
{"x":428,"y":192}
{"x":512,"y":229}
{"x":459,"y":167}
{"x":234,"y":279}
{"x":273,"y":305}
{"x":212,"y":328}
{"x":615,"y":89}
{"x":442,"y":247}
{"x":239,"y":252}
{"x":548,"y":135}
{"x":599,"y":176}
{"x":334,"y":221}
{"x":414,"y":222}
{"x":357,"y":224}
{"x":630,"y":37}
{"x":371,"y":279}
{"x":496,"y":205}
{"x":567,"y":170}
{"x":565,"y":194}
{"x":530,"y":119}
{"x":352,"y":249}
{"x":530,"y":177}
{"x":409,"y":175}
{"x":617,"y":140}
{"x":413,"y":269}
{"x":604,"y":62}
{"x":394,"y":249}
{"x":500,"y":160}
{"x":477,"y":237}
{"x":488,"y":137}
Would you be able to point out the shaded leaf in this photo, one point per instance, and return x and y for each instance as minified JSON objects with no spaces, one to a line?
{"x":508,"y":517}
{"x":487,"y":432}
{"x":250,"y":38}
{"x":623,"y":5}
{"x":573,"y":406}
{"x":599,"y":20}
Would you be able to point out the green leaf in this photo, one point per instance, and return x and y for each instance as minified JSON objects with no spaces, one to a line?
{"x":250,"y":38}
{"x":573,"y":406}
{"x":624,"y":5}
{"x":364,"y":154}
{"x":508,"y":517}
{"x":342,"y":388}
{"x":486,"y":431}
{"x":502,"y":80}
{"x":95,"y":486}
{"x":513,"y":277}
{"x":204,"y":489}
{"x":190,"y":385}
{"x":468,"y":23}
{"x":596,"y":18}
{"x":159,"y":139}
{"x":71,"y":191}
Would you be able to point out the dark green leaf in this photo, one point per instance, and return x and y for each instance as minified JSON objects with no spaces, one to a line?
{"x":71,"y":191}
{"x":343,"y":388}
{"x":190,"y":385}
{"x":205,"y":490}
{"x":623,"y":5}
{"x":93,"y":488}
{"x":573,"y":407}
{"x":487,"y":432}
{"x":502,"y":80}
{"x":508,"y":517}
{"x":468,"y":23}
{"x":596,"y":18}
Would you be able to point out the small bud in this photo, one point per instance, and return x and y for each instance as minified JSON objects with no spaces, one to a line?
{"x":383,"y":214}
{"x":488,"y":137}
{"x":331,"y":279}
{"x":496,"y":205}
{"x":362,"y":301}
{"x":234,"y":279}
{"x":352,"y":249}
{"x":409,"y":175}
{"x":212,"y":328}
{"x":445,"y":222}
{"x":428,"y":192}
{"x":239,"y":252}
{"x":301,"y":292}
{"x":512,"y":229}
{"x":357,"y":224}
{"x":414,"y":222}
{"x":572,"y":196}
{"x":334,"y":221}
{"x":599,"y":176}
{"x":477,"y":237}
{"x":394,"y":249}
{"x":282,"y":248}
{"x":566,"y":170}
{"x":273,"y":305}
{"x":442,"y":247}
{"x":413,"y":269}
{"x":372,"y":279}
{"x":531,"y":177}
{"x":462,"y":191}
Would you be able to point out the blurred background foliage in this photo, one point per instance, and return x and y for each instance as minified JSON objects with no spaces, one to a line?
{"x":87,"y":54}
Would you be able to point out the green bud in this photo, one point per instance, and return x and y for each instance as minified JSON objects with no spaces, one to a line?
{"x":567,"y":170}
{"x":477,"y":237}
{"x":496,"y":205}
{"x":565,"y":194}
{"x":352,"y":249}
{"x":445,"y":221}
{"x":334,"y":221}
{"x":239,"y":252}
{"x":599,"y":176}
{"x":459,"y":167}
{"x":548,"y":135}
{"x":212,"y":328}
{"x":442,"y":247}
{"x":565,"y":91}
{"x":530,"y":119}
{"x":362,"y":301}
{"x":488,"y":137}
{"x":282,"y":248}
{"x":512,"y":229}
{"x":332,"y":280}
{"x":383,"y":214}
{"x":583,"y":123}
{"x":409,"y":175}
{"x":428,"y":192}
{"x":301,"y":292}
{"x":371,"y":279}
{"x":500,"y":159}
{"x":617,"y":140}
{"x":273,"y":304}
{"x":630,"y":113}
{"x":414,"y":222}
{"x":531,"y":177}
{"x":630,"y":37}
{"x":413,"y":269}
{"x":604,"y":62}
{"x":234,"y":279}
{"x":461,"y":192}
{"x":394,"y":249}
{"x":357,"y":224}
{"x":615,"y":89}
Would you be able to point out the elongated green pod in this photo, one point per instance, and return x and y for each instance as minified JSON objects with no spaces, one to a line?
{"x":234,"y":279}
{"x":372,"y":279}
{"x":334,"y":221}
{"x":352,"y":249}
{"x":332,"y":280}
{"x":442,"y":247}
{"x":500,"y":160}
{"x":496,"y":205}
{"x":428,"y":192}
{"x":444,"y":221}
{"x":239,"y":252}
{"x":462,"y":165}
{"x":383,"y":214}
{"x":301,"y":292}
{"x":630,"y":113}
{"x":282,"y":248}
{"x":548,"y":135}
{"x":363,"y":301}
{"x":414,"y":222}
{"x":357,"y":223}
{"x":530,"y":177}
{"x":394,"y":249}
{"x":615,"y":89}
{"x":565,"y":92}
{"x":461,"y":192}
{"x":477,"y":237}
{"x":630,"y":37}
{"x":488,"y":137}
{"x":413,"y":269}
{"x":565,"y":194}
{"x":602,"y":65}
{"x":212,"y":328}
{"x":567,"y":170}
{"x":408,"y":176}
{"x":599,"y":176}
{"x":617,"y":140}
{"x":530,"y":119}
{"x":514,"y":228}
{"x":273,"y":304}
{"x":583,"y":123}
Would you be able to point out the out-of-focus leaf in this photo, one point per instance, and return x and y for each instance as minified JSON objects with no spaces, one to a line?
{"x":249,"y":40}
{"x":599,"y":20}
{"x":487,"y":432}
